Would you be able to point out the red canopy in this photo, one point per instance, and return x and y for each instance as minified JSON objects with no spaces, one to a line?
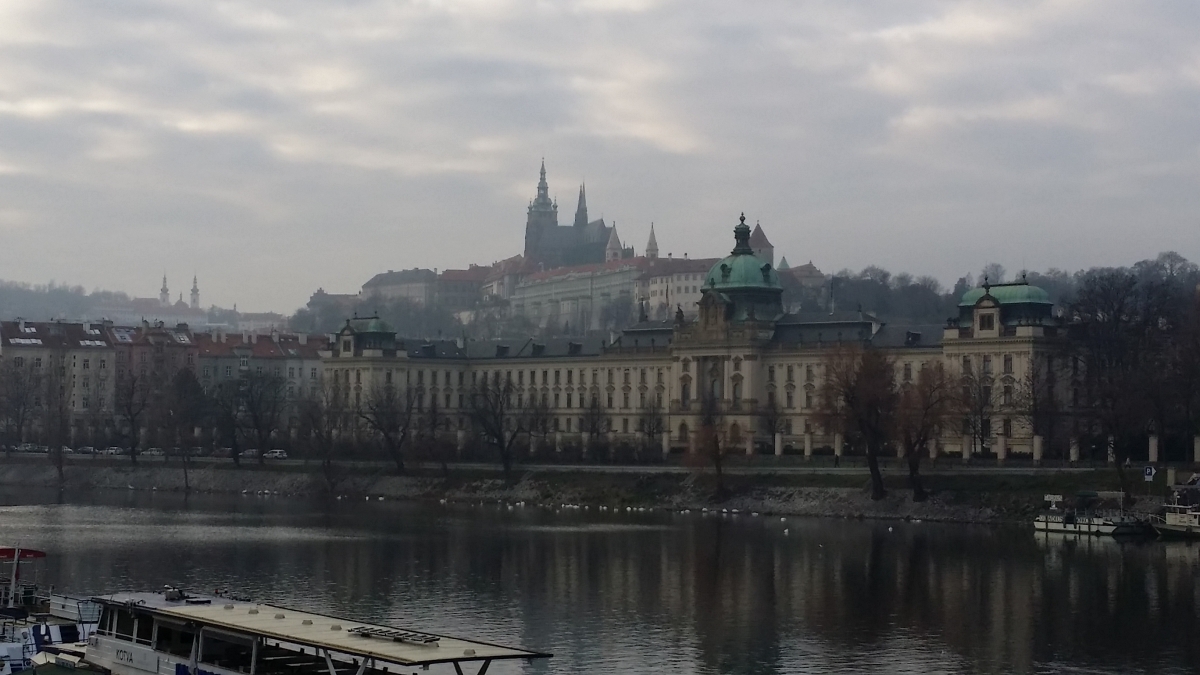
{"x":7,"y":553}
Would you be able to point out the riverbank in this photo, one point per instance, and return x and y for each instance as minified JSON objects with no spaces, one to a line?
{"x":988,"y":498}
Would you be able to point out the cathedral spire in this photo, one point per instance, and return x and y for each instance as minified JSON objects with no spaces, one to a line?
{"x":195,"y":293}
{"x":581,"y":216}
{"x":652,"y":245}
{"x":543,"y":189}
{"x":164,"y":295}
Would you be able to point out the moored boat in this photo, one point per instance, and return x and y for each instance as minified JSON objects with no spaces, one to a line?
{"x":173,"y":633}
{"x":32,"y":619}
{"x":1086,"y":519}
{"x":1178,"y":520}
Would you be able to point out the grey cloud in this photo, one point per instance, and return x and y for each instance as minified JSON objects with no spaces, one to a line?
{"x":276,"y":148}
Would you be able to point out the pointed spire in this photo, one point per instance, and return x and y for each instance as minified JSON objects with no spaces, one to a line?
{"x":164,"y":294}
{"x":613,"y":250}
{"x":581,"y":215}
{"x":783,"y":264}
{"x":652,"y":245}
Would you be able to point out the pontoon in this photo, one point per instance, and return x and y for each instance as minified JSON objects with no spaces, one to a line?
{"x":173,"y":633}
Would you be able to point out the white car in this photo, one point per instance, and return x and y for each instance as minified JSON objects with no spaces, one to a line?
{"x":275,"y":454}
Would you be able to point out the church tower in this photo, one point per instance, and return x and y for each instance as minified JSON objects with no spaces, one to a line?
{"x":164,"y":295}
{"x":652,"y":245}
{"x":542,"y":217}
{"x":195,"y":294}
{"x":613,"y":250}
{"x":581,"y":217}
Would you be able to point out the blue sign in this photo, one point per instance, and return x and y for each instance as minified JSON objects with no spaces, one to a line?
{"x":1148,"y":474}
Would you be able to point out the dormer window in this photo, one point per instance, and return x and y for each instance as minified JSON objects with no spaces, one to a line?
{"x":346,"y":346}
{"x":987,"y":322}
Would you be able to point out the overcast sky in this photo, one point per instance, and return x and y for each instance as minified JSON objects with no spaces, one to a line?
{"x":276,"y":147}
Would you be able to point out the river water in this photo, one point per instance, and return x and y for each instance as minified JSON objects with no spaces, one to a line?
{"x":650,"y":592}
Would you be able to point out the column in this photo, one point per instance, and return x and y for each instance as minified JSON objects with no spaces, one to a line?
{"x":1074,"y":449}
{"x":1171,"y":476}
{"x":1037,"y":449}
{"x":837,"y":445}
{"x":778,"y":444}
{"x":967,"y":442}
{"x":1112,"y":450}
{"x":1196,"y":450}
{"x":460,"y":440}
{"x":749,"y":444}
{"x":1001,"y":449}
{"x":558,"y":441}
{"x":666,"y":443}
{"x":691,"y":442}
{"x":1153,"y":449}
{"x":933,"y":448}
{"x":808,"y":446}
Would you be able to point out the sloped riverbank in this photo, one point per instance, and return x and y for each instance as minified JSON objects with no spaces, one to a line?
{"x":979,"y":499}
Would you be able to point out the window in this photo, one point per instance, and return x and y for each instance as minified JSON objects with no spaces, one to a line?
{"x":1008,"y":396}
{"x":610,"y":400}
{"x":737,"y":365}
{"x":569,"y":397}
{"x":87,"y":364}
{"x":625,"y":376}
{"x":685,"y":394}
{"x":770,"y":399}
{"x":521,"y":378}
{"x":18,"y":361}
{"x":791,"y":399}
{"x":791,"y":374}
{"x":625,"y":425}
{"x":570,"y":378}
{"x":312,"y":374}
{"x":347,"y":345}
{"x":1008,"y":364}
{"x":175,"y":640}
{"x":808,"y":399}
{"x":1007,"y":428}
{"x":966,"y":365}
{"x":908,"y":372}
{"x":987,"y":321}
{"x":37,"y":362}
{"x":103,"y":364}
{"x":770,"y":373}
{"x":625,"y":400}
{"x":228,"y":371}
{"x":556,"y":399}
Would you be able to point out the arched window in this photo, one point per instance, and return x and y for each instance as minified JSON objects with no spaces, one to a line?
{"x":683,"y":432}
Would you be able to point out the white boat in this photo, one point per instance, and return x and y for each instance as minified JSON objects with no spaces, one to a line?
{"x":32,"y":620}
{"x":1073,"y":522}
{"x":173,"y":633}
{"x":1178,"y":520}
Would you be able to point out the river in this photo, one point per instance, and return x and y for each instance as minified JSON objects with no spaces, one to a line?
{"x":650,"y":592}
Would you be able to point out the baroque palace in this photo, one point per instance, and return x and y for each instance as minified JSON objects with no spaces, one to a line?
{"x":742,"y":347}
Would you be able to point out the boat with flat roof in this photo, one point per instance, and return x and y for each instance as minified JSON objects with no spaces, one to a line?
{"x":174,"y":633}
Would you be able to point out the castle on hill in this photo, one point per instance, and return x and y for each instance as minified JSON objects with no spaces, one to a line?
{"x":584,"y":242}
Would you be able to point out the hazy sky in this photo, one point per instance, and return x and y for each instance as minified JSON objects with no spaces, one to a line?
{"x":274,"y":147}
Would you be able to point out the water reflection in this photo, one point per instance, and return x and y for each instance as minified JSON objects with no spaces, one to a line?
{"x":632,"y":592}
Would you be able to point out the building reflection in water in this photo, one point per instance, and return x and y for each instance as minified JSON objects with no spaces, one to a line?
{"x":632,"y":592}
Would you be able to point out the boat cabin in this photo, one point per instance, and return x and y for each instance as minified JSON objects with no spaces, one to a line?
{"x":173,"y":633}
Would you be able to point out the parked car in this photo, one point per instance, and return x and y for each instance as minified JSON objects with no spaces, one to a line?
{"x":275,"y":454}
{"x":86,"y":450}
{"x":114,"y":450}
{"x":154,"y":452}
{"x":250,"y":452}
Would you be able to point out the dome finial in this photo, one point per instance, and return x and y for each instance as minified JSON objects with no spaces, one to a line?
{"x":741,"y":237}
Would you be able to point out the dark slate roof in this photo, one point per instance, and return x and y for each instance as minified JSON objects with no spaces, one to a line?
{"x":912,"y":336}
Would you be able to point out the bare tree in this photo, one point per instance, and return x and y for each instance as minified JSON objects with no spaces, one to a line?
{"x":390,"y":413}
{"x":593,"y":423}
{"x":263,"y":404}
{"x":975,"y":402}
{"x":56,"y":411}
{"x":712,"y":440}
{"x":132,"y":397}
{"x":653,"y":423}
{"x":224,"y":408}
{"x":859,"y":399}
{"x":323,"y":417}
{"x":496,"y":415}
{"x":20,"y":389}
{"x":183,"y":408}
{"x":922,"y":411}
{"x":1036,"y":399}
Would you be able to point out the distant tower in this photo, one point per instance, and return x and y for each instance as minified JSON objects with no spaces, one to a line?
{"x":164,"y":295}
{"x":195,"y":294}
{"x":652,"y":245}
{"x":613,"y":250}
{"x":761,"y":245}
{"x":581,"y":217}
{"x":542,"y":218}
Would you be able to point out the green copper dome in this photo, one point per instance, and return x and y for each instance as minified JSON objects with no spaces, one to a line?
{"x":742,"y":269}
{"x":1007,"y":294}
{"x":369,"y":324}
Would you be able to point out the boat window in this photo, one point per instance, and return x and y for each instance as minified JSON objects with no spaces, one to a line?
{"x":124,"y":629}
{"x":174,"y":640}
{"x":226,"y":652}
{"x":145,"y":629}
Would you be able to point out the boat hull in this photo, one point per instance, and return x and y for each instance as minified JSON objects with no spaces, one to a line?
{"x":1089,"y":526}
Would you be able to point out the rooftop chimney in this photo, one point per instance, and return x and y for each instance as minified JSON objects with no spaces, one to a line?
{"x":302,"y":338}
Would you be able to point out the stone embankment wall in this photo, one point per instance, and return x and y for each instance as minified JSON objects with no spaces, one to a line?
{"x":976,"y":501}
